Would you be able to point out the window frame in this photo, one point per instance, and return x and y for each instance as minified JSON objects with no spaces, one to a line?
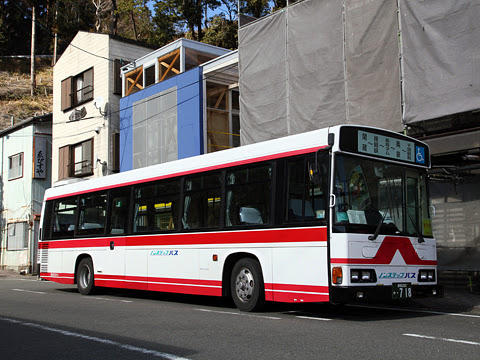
{"x":14,"y":242}
{"x":69,"y":90}
{"x":19,"y":173}
{"x":67,"y":161}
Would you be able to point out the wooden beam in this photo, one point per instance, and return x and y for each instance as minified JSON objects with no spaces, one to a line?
{"x":163,"y":63}
{"x":170,"y":67}
{"x":137,"y":72}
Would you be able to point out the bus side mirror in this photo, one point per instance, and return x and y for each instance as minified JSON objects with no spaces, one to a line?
{"x":314,"y":173}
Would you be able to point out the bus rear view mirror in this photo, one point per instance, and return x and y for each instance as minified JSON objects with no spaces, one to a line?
{"x":314,"y":173}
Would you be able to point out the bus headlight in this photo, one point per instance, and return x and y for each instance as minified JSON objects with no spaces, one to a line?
{"x":362,"y":275}
{"x":355,"y":276}
{"x":426,"y":275}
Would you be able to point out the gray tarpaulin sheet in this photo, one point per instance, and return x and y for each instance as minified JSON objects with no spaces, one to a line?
{"x":441,"y":57}
{"x":320,"y":63}
{"x":456,"y":224}
{"x":372,"y":64}
{"x":316,"y":86}
{"x":263,"y":92}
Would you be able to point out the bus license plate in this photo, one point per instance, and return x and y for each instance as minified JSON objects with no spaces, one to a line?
{"x":401,"y":291}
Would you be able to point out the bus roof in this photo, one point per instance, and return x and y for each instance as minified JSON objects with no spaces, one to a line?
{"x":266,"y":150}
{"x":270,"y":149}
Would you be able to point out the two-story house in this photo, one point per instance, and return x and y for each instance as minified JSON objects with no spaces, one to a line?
{"x":86,"y":93}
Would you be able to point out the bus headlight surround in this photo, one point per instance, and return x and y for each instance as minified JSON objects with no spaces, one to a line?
{"x":427,"y":275}
{"x":363,"y":276}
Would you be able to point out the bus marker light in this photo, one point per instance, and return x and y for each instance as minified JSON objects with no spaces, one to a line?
{"x":337,"y":275}
{"x":215,"y":257}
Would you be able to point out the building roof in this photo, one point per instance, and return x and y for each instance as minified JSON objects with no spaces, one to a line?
{"x":33,"y":120}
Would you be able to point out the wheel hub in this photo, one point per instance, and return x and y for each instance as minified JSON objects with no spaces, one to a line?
{"x":244,"y":284}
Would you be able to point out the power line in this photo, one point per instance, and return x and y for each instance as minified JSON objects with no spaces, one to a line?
{"x":59,"y":38}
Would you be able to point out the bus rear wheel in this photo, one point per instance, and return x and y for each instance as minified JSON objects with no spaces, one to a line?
{"x":246,"y":285}
{"x":85,"y":279}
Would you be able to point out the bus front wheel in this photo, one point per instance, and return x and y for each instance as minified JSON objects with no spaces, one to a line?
{"x":85,"y":280}
{"x":246,"y":285}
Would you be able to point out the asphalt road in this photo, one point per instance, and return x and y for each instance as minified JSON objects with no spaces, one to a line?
{"x":40,"y":320}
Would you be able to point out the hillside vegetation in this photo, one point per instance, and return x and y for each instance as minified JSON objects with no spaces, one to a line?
{"x":15,"y":99}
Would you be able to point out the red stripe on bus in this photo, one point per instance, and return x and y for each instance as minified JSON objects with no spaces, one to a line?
{"x":207,"y":238}
{"x":296,"y":293}
{"x":386,"y":252}
{"x":195,"y":171}
{"x":273,"y":292}
{"x":174,"y":285}
{"x":61,"y":278}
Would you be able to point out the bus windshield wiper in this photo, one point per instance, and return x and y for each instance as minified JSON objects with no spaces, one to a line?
{"x":415,"y":226}
{"x":379,"y":226}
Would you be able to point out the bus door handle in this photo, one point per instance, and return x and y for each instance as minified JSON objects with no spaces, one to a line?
{"x":333,"y":200}
{"x":112,"y":245}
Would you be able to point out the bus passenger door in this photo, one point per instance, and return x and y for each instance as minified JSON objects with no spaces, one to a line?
{"x":114,"y":270}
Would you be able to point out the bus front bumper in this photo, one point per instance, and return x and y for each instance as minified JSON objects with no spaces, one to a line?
{"x":344,"y":295}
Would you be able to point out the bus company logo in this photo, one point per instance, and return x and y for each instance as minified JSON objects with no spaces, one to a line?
{"x":164,"y":253}
{"x":395,"y":275}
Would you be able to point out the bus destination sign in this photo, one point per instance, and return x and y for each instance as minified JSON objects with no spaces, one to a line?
{"x":390,"y":147}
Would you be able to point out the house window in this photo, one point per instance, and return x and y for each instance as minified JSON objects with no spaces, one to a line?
{"x":223,"y":121}
{"x":76,"y":160}
{"x":17,"y":238}
{"x":77,"y":89}
{"x":15,"y":166}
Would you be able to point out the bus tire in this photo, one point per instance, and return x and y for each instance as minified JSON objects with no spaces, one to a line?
{"x":85,"y":277}
{"x":246,"y":285}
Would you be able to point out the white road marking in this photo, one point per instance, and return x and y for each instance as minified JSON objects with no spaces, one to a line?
{"x":416,"y":311}
{"x":444,"y":339}
{"x":313,"y":318}
{"x":239,"y":314}
{"x":30,"y":291}
{"x":97,"y":339}
{"x":105,"y":299}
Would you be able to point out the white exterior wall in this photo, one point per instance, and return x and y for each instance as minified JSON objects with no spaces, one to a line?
{"x":16,"y":194}
{"x":21,"y":198}
{"x":99,"y":48}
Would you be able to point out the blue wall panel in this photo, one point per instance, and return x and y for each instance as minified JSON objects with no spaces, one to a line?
{"x":189,"y":115}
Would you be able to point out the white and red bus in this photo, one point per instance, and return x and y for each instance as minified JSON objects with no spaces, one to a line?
{"x":335,"y":215}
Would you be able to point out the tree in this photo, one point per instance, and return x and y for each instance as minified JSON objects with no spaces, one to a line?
{"x":134,"y":20}
{"x":183,"y":16}
{"x":222,"y":32}
{"x":255,"y":8}
{"x":103,"y":9}
{"x":73,"y":16}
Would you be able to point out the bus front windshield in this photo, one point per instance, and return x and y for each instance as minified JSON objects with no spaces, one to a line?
{"x":379,"y":197}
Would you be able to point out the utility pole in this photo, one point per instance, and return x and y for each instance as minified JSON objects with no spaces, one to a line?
{"x":55,"y":43}
{"x":33,"y":80}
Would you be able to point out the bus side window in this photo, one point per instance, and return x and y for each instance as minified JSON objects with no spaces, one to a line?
{"x":47,"y":221}
{"x":156,"y":206}
{"x":92,"y":214}
{"x":64,"y":213}
{"x":201,"y":208}
{"x":306,"y":200}
{"x":118,"y":211}
{"x":248,"y":199}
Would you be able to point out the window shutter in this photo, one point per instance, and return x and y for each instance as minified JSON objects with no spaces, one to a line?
{"x":66,"y":100}
{"x":87,"y":151}
{"x":63,"y":162}
{"x":117,"y":78}
{"x":116,"y":152}
{"x":87,"y":91}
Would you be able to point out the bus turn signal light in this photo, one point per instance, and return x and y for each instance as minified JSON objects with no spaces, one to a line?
{"x":337,"y":275}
